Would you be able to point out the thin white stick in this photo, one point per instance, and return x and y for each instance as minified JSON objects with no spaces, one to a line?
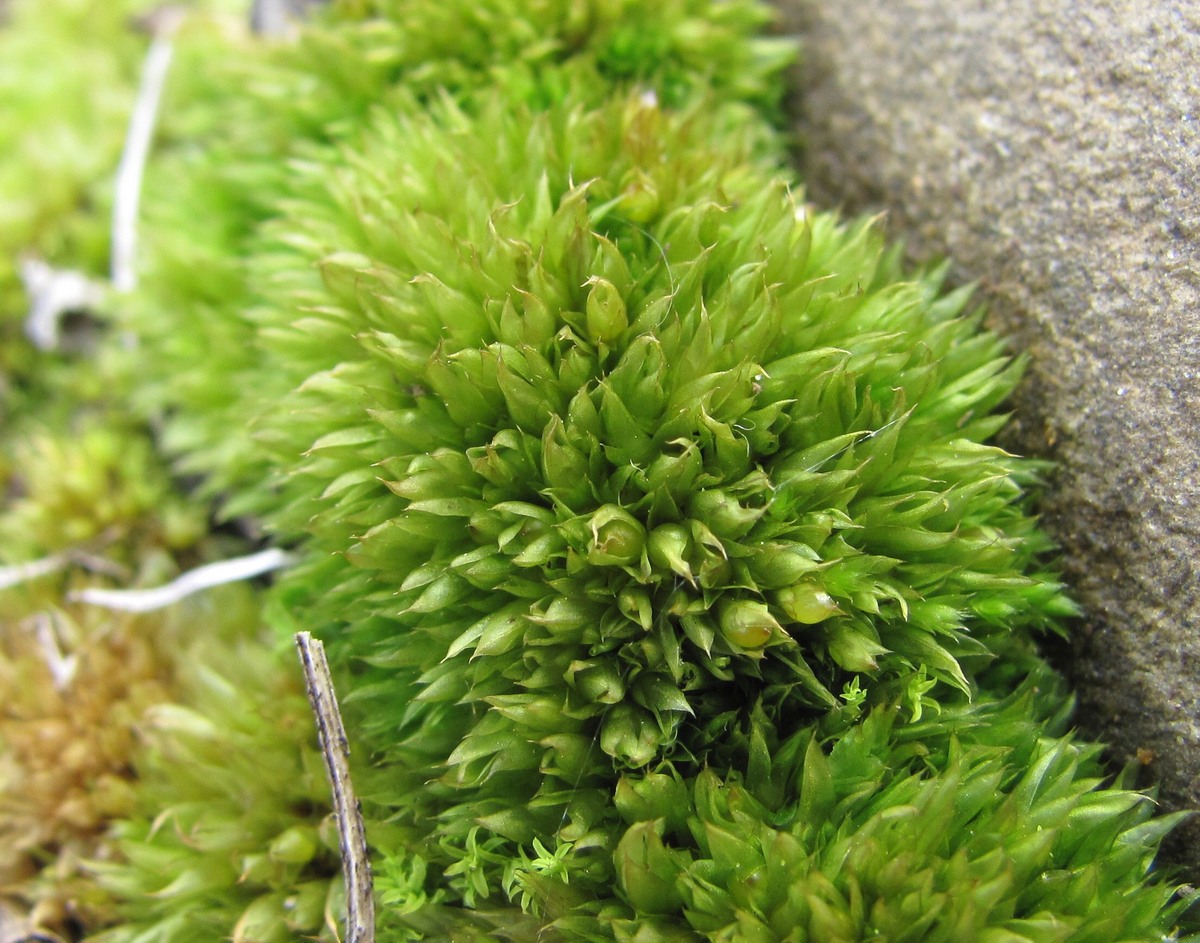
{"x":62,"y":667}
{"x":133,"y":158}
{"x":352,"y":836}
{"x":19,"y":573}
{"x":203,"y":577}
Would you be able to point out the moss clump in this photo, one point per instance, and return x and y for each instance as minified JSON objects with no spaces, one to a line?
{"x":237,"y":123}
{"x":983,"y":823}
{"x":73,"y":685}
{"x":78,"y":684}
{"x":98,"y":488}
{"x":68,"y":73}
{"x":230,"y":835}
{"x":647,"y":513}
{"x":156,"y":767}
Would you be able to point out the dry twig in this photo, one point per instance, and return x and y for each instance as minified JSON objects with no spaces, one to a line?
{"x":356,"y":863}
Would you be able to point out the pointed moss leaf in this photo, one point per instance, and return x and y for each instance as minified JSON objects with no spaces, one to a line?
{"x":659,"y":695}
{"x":816,"y":785}
{"x":647,"y":869}
{"x":343,"y":438}
{"x":652,"y":796}
{"x":853,"y":649}
{"x":500,"y":632}
{"x":926,"y":651}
